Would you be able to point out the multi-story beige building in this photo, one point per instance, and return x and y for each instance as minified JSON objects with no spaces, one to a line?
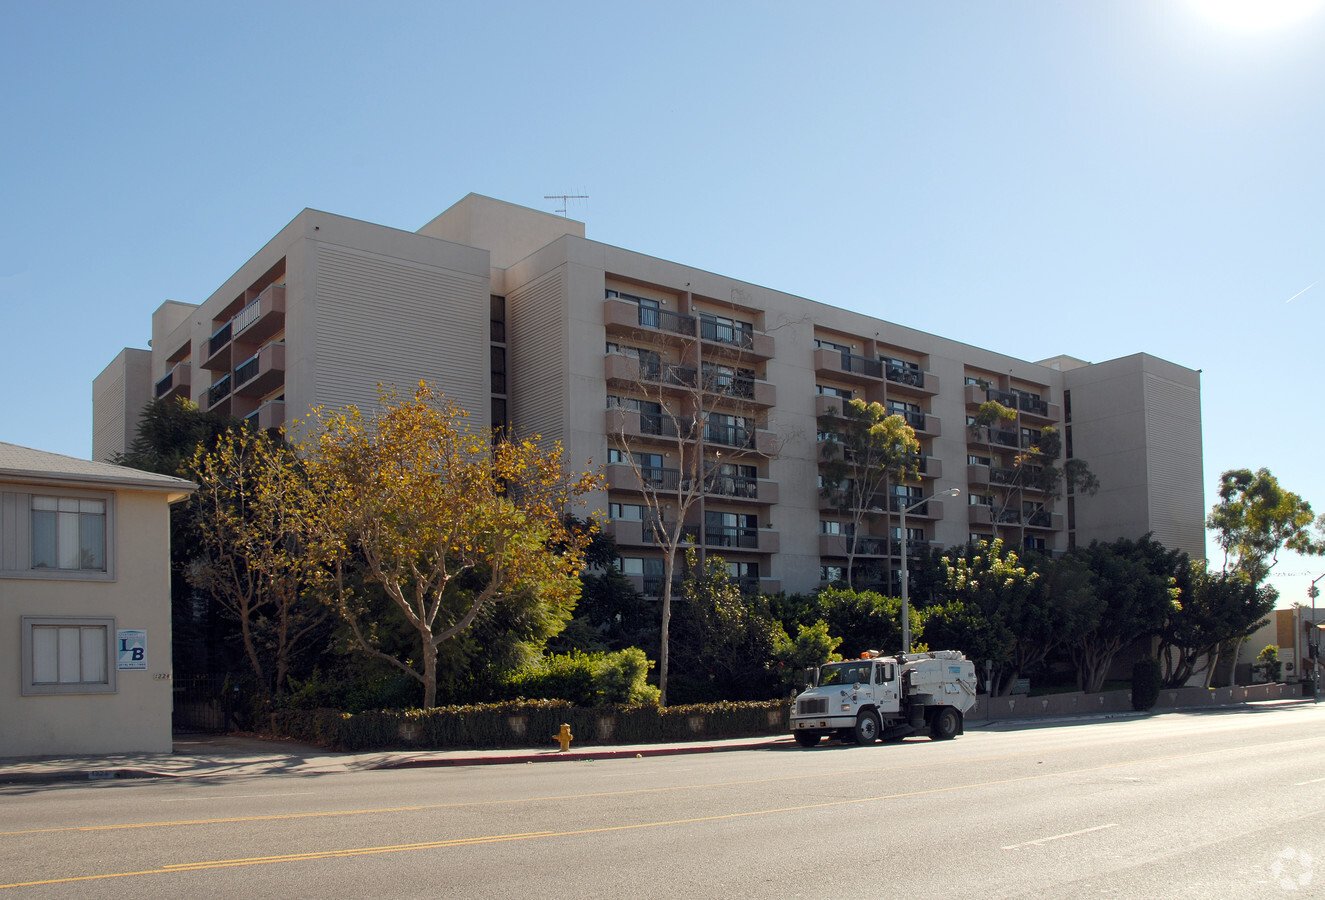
{"x":520,"y":319}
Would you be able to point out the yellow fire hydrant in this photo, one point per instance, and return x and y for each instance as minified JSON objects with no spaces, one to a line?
{"x":563,"y":737}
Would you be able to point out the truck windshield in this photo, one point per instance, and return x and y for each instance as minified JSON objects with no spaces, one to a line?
{"x":847,"y":673}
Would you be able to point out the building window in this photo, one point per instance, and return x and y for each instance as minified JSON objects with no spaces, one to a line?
{"x":68,"y":655}
{"x":829,"y":391}
{"x":832,"y":573}
{"x":973,"y":460}
{"x":69,"y":533}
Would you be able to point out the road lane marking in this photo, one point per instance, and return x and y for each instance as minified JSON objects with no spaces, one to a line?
{"x":850,"y":773}
{"x":232,"y":797}
{"x":457,"y":842}
{"x":1040,"y":842}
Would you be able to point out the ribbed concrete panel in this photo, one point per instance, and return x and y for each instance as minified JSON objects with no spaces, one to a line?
{"x":1173,"y":462}
{"x":537,"y":353}
{"x":388,"y":321}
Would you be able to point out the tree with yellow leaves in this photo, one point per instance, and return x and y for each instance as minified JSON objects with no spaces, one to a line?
{"x":446,"y":521}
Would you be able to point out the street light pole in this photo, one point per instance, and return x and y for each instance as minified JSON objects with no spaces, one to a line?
{"x":1312,"y":593}
{"x":906,"y":579}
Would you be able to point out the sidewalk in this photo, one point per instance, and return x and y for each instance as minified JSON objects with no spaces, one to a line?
{"x":228,"y":756}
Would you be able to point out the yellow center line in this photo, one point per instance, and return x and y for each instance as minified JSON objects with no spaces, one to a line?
{"x":488,"y":839}
{"x":519,"y":800}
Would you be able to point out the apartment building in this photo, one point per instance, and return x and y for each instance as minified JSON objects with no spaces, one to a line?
{"x":653,"y":369}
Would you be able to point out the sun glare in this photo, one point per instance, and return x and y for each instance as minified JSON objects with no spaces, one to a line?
{"x":1256,"y":15}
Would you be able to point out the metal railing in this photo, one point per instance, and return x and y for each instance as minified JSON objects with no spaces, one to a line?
{"x":729,"y":435}
{"x":219,"y":339}
{"x":219,"y":391}
{"x":722,"y":333}
{"x":861,"y":365}
{"x":666,"y":320}
{"x":731,"y":536}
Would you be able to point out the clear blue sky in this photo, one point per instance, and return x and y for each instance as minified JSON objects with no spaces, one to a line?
{"x":1095,"y":179}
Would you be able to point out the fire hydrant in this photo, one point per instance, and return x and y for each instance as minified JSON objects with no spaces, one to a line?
{"x":563,"y":737}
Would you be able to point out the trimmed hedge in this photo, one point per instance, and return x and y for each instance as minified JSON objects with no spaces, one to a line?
{"x":529,"y":723}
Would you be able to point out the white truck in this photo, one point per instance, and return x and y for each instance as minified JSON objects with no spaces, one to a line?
{"x":863,"y":700}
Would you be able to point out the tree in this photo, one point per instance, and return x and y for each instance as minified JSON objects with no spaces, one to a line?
{"x":168,"y":434}
{"x":990,"y":585}
{"x":688,"y":388}
{"x":1256,"y":517}
{"x":868,"y":449}
{"x":1034,"y":467}
{"x":253,"y":540}
{"x":1126,"y":595}
{"x":724,"y":642}
{"x":812,"y":647}
{"x":864,"y":620}
{"x":1212,"y":610}
{"x":449,"y":525}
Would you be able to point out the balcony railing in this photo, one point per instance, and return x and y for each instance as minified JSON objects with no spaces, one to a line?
{"x":723,"y":333}
{"x":731,"y":536}
{"x":904,"y":375}
{"x":1033,"y":405}
{"x":1041,"y":518}
{"x":219,"y":339}
{"x":218,"y":391}
{"x":862,"y":365}
{"x":1006,"y":398}
{"x":658,"y":478}
{"x":729,"y":435}
{"x":666,"y":320}
{"x":735,"y":486}
{"x":659,"y":532}
{"x":915,"y":419}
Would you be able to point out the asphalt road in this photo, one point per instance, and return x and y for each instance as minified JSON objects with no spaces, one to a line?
{"x":1211,"y":804}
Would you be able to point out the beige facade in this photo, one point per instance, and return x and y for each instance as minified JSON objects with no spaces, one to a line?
{"x":521,"y":319}
{"x":84,"y":605}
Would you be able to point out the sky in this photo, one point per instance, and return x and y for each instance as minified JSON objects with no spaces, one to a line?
{"x":1096,"y":179}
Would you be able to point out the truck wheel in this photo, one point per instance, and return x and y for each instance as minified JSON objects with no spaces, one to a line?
{"x":807,"y":738}
{"x":867,"y":728}
{"x":947,"y":722}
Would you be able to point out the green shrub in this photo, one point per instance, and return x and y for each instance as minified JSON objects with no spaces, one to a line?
{"x":530,"y":723}
{"x":583,"y":679}
{"x":1145,"y":683}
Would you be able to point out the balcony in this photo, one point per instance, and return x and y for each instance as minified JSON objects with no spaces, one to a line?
{"x":1043,"y":519}
{"x":980,"y":514}
{"x":1028,"y":406}
{"x":733,"y":342}
{"x":739,"y":437}
{"x":627,"y":317}
{"x":218,"y":391}
{"x":1001,"y":437}
{"x":261,"y":373}
{"x":630,"y":425}
{"x":269,"y":415}
{"x":176,"y":383}
{"x":739,"y":487}
{"x":735,"y":537}
{"x":218,"y":350}
{"x":754,"y":391}
{"x":262,"y":318}
{"x":621,"y":477}
{"x":906,"y":380}
{"x":841,"y":365}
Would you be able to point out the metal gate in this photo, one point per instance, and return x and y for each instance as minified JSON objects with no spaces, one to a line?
{"x":204,"y":703}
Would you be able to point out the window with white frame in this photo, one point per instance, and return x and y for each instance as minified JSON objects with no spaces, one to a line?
{"x":69,"y":533}
{"x":67,"y":655}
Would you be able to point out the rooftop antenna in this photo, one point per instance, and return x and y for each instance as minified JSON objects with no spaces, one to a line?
{"x":564,"y":198}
